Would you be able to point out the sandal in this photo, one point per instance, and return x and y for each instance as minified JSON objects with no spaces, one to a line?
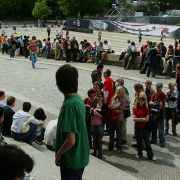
{"x":117,"y":151}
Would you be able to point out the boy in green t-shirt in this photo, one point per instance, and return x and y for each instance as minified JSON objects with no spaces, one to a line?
{"x":72,"y":147}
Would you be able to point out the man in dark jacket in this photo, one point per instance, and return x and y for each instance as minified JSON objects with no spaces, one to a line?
{"x":67,"y":48}
{"x":8,"y":115}
{"x":74,"y":48}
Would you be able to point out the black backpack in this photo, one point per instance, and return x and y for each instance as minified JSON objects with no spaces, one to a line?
{"x":122,"y":56}
{"x":142,"y":49}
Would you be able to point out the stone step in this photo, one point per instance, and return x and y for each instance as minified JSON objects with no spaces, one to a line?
{"x":45,"y":168}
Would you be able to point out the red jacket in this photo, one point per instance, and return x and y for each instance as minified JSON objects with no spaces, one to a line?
{"x":112,"y":116}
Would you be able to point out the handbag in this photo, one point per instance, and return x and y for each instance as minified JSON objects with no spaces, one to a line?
{"x":25,"y":128}
{"x":127,"y":112}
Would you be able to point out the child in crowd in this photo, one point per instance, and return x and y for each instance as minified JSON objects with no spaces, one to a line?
{"x":2,"y":142}
{"x":40,"y":115}
{"x":171,"y":104}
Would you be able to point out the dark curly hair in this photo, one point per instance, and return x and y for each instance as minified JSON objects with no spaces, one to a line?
{"x":40,"y":114}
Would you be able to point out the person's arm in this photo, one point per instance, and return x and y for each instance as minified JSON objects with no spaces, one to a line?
{"x":68,"y":144}
{"x":137,"y":119}
{"x":28,"y":47}
{"x":106,"y":94}
{"x":114,"y":110}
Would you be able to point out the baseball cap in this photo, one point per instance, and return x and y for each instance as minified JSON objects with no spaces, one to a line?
{"x":159,"y":85}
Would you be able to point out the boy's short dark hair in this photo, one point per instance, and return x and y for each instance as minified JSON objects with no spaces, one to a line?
{"x":67,"y":79}
{"x":14,"y":162}
{"x":26,"y":106}
{"x":85,"y":40}
{"x":10,"y":100}
{"x":108,"y":72}
{"x":1,"y":112}
{"x":1,"y":93}
{"x":138,"y":86}
{"x":40,"y":114}
{"x":105,"y":42}
{"x":150,"y":43}
{"x":133,"y":43}
{"x":91,"y":91}
{"x":99,"y":66}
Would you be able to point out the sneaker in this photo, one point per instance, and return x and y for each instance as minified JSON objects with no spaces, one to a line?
{"x":174,"y":134}
{"x":153,"y":159}
{"x":138,"y":156}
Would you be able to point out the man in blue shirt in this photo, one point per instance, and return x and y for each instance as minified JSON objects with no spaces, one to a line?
{"x":128,"y":51}
{"x":148,"y":49}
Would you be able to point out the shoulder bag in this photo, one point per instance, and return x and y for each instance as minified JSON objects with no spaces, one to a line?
{"x":25,"y":128}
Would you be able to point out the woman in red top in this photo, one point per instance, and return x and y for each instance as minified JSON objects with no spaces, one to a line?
{"x":88,"y":102}
{"x":141,"y":116}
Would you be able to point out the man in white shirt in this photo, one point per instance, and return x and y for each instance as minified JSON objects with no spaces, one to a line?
{"x":131,"y":57}
{"x":128,"y":51}
{"x":107,"y":51}
{"x":50,"y":134}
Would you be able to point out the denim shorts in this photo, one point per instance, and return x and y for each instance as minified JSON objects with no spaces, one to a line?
{"x":97,"y":130}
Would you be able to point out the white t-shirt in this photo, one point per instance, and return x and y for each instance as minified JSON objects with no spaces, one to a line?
{"x":19,"y":119}
{"x":134,"y":48}
{"x":110,"y":47}
{"x":2,"y":104}
{"x":50,"y":133}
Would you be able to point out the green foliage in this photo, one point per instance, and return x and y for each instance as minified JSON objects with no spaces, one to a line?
{"x":73,"y":7}
{"x":177,"y":24}
{"x":41,"y":10}
{"x":152,"y":5}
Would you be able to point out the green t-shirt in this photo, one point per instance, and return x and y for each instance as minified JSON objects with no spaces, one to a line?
{"x":72,"y":119}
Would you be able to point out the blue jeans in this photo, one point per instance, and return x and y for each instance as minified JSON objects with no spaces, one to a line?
{"x":153,"y":71}
{"x":71,"y":174}
{"x":61,"y":52}
{"x":40,"y":138}
{"x":178,"y":101}
{"x":145,"y":133}
{"x":27,"y":137}
{"x":84,"y":54}
{"x":48,"y":51}
{"x":42,"y":51}
{"x":12,"y":52}
{"x":92,"y":53}
{"x":161,"y":133}
{"x":5,"y":48}
{"x":33,"y":59}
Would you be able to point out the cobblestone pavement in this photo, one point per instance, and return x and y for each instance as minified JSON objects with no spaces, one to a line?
{"x":39,"y":85}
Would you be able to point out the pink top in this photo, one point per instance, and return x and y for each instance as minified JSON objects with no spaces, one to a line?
{"x":96,"y":120}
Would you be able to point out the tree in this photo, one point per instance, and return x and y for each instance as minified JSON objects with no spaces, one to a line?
{"x":152,"y":5}
{"x":41,"y":10}
{"x":73,"y":7}
{"x":10,"y":8}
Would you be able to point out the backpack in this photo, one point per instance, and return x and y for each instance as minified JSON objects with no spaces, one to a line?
{"x":122,"y":56}
{"x":142,"y":49}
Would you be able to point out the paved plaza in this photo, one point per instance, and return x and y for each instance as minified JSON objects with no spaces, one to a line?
{"x":19,"y":79}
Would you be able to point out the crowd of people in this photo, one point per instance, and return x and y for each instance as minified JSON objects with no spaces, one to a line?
{"x":152,"y":54}
{"x":82,"y":124}
{"x":107,"y":105}
{"x":58,"y":48}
